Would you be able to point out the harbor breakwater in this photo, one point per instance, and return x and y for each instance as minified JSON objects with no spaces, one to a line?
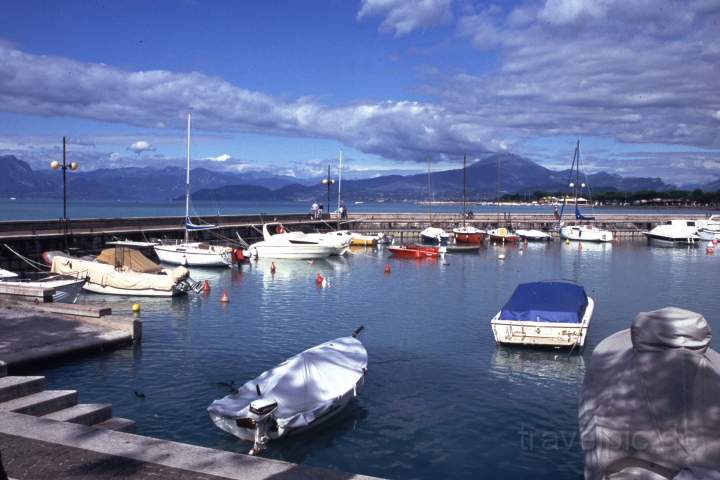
{"x":32,"y":237}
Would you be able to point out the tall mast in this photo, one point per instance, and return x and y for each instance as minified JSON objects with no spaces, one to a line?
{"x":339,"y":180}
{"x":464,"y":186}
{"x":187,"y":180}
{"x":577,"y":174}
{"x":497,"y":190}
{"x":429,"y":190}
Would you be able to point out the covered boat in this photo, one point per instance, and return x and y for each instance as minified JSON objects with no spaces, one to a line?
{"x":434,"y":236}
{"x":550,"y":313}
{"x":649,"y":401}
{"x":118,"y":278}
{"x":301,"y":392}
{"x":533,"y":235}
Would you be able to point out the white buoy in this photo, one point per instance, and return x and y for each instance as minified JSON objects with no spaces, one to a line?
{"x":501,"y":256}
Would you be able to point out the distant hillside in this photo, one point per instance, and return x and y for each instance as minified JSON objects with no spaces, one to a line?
{"x":516,"y":175}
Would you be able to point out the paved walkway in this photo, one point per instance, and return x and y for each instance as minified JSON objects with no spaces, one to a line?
{"x":36,"y":448}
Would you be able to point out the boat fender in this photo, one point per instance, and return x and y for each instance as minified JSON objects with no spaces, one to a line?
{"x":319,"y":279}
{"x":710,"y":251}
{"x":239,"y":255}
{"x":136,"y":308}
{"x":273,"y":268}
{"x":501,"y":256}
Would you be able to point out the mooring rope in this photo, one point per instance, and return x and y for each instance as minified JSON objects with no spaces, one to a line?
{"x":36,"y":265}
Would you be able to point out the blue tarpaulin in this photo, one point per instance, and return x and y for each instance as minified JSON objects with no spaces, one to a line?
{"x":580,"y":216}
{"x":558,"y":302}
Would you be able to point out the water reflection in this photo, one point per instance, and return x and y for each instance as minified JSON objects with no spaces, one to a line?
{"x":520,"y":365}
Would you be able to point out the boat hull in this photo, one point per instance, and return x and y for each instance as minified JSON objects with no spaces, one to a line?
{"x":708,"y":234}
{"x":66,"y":291}
{"x":108,"y":290}
{"x":415,"y":252}
{"x":292,"y":252}
{"x":192,"y":257}
{"x":550,"y":334}
{"x":533,"y":235}
{"x":470,"y":237}
{"x":665,"y":241}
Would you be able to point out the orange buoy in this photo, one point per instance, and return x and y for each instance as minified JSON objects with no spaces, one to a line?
{"x":273,"y":268}
{"x":206,"y":287}
{"x":319,"y":279}
{"x":224,"y":298}
{"x":710,"y":251}
{"x":239,"y":255}
{"x":388,"y":268}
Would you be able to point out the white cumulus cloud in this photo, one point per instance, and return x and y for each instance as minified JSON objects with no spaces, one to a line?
{"x":220,"y":158}
{"x":403,"y":16}
{"x":141,"y":146}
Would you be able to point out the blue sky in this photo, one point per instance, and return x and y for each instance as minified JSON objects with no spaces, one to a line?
{"x":282,"y":86}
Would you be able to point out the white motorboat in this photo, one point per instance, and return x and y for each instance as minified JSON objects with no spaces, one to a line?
{"x":673,"y":233}
{"x":434,"y":236}
{"x":196,"y":254}
{"x":533,"y":235}
{"x":117,"y":277}
{"x":342,"y":239}
{"x":585,"y":233}
{"x":711,"y":229}
{"x":67,"y":289}
{"x":301,"y":392}
{"x":549,"y":313}
{"x":292,"y":245}
{"x":581,"y":232}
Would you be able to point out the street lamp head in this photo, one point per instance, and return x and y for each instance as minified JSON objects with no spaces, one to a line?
{"x":572,"y":184}
{"x":54,"y":164}
{"x":73,"y":166}
{"x":328,"y":181}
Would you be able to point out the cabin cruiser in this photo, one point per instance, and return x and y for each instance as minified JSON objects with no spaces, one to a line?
{"x":585,"y":233}
{"x":293,"y":245}
{"x":339,"y":238}
{"x":301,"y":392}
{"x":711,"y":229}
{"x":533,"y":235}
{"x":434,"y":236}
{"x":122,"y":271}
{"x":66,"y":288}
{"x":548,"y":313}
{"x":674,"y":232}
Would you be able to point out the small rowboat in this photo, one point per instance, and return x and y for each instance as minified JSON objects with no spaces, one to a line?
{"x":414,"y":251}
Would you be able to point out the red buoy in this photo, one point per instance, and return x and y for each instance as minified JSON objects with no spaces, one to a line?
{"x":388,"y":268}
{"x":710,"y":251}
{"x":319,"y":279}
{"x":224,"y":298}
{"x":239,"y":255}
{"x":206,"y":287}
{"x":273,"y":268}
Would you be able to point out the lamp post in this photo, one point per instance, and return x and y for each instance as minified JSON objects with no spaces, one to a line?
{"x":55,"y":165}
{"x":328,"y":181}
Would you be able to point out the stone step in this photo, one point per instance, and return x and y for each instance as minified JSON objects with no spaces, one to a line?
{"x":15,"y":387}
{"x":118,"y":424}
{"x":41,"y":403}
{"x":83,"y":413}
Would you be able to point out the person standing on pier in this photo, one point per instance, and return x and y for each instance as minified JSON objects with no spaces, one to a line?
{"x":314,"y":211}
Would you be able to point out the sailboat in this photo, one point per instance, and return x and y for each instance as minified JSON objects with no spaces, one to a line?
{"x":467,"y":233}
{"x":501,"y":234}
{"x":581,"y":232}
{"x":433,"y":235}
{"x":196,"y":254}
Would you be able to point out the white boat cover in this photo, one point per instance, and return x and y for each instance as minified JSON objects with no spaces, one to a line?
{"x":305,"y":386}
{"x":107,"y":275}
{"x":650,"y":399}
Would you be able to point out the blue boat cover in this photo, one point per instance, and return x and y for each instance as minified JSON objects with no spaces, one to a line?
{"x":192,"y":226}
{"x":580,"y":216}
{"x":558,"y":302}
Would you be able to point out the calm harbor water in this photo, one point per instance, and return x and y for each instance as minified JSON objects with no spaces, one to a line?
{"x":441,"y":399}
{"x":52,"y":209}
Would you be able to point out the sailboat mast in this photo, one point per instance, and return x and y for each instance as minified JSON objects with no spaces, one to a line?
{"x":187,"y":180}
{"x":464,"y":187}
{"x":577,"y":174}
{"x":497,"y":190}
{"x":429,"y":190}
{"x":339,"y":180}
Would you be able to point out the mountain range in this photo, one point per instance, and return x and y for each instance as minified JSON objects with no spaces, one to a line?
{"x":506,"y":173}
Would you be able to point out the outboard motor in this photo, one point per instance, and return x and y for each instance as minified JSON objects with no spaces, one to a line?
{"x":261,"y":411}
